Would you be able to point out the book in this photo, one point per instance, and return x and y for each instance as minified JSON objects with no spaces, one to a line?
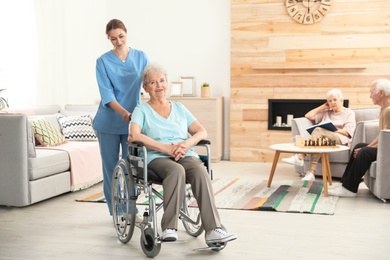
{"x":326,"y":124}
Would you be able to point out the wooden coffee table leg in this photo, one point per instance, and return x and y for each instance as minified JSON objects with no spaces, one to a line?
{"x":271,"y":174}
{"x":326,"y":176}
{"x":328,"y":171}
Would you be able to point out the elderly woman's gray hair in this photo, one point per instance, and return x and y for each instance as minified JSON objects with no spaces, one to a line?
{"x":335,"y":92}
{"x":150,"y":68}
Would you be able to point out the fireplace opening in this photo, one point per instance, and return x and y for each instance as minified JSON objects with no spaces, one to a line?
{"x":281,"y":111}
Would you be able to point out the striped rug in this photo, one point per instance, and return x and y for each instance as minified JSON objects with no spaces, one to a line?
{"x":253,"y":194}
{"x":282,"y":196}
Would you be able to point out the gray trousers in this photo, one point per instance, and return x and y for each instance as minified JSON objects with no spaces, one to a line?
{"x":175,"y":175}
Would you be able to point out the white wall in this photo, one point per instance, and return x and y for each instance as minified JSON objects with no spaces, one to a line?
{"x":187,"y":37}
{"x":18,"y":55}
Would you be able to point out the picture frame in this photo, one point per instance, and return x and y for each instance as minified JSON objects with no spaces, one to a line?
{"x":189,"y":84}
{"x":176,"y":89}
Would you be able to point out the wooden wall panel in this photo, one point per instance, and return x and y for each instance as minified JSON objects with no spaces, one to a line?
{"x":274,"y":57}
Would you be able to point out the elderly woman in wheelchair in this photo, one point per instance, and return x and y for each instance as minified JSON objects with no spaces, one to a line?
{"x":169,"y":132}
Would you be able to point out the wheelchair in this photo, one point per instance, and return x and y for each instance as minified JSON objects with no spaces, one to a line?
{"x":131,"y":177}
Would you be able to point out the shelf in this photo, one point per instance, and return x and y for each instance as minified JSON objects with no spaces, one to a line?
{"x":285,"y":128}
{"x":295,"y":107}
{"x":314,"y":67}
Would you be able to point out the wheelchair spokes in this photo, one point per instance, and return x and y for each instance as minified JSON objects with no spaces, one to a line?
{"x":124,"y":209}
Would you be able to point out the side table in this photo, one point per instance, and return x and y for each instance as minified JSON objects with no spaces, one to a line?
{"x":324,"y":151}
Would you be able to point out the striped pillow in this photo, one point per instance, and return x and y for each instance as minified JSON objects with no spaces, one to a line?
{"x":77,"y":128}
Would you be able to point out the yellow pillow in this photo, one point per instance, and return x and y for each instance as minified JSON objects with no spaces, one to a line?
{"x":45,"y":133}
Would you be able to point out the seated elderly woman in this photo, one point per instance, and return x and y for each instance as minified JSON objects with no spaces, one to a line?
{"x":169,"y":131}
{"x":342,"y":118}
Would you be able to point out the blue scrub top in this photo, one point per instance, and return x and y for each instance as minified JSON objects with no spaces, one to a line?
{"x":121,"y":81}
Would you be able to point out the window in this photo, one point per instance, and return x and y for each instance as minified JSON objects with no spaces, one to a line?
{"x":18,"y":51}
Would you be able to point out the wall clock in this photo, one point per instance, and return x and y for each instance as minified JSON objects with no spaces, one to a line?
{"x":308,"y":11}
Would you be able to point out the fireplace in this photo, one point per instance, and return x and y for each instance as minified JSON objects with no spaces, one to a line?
{"x":281,"y":111}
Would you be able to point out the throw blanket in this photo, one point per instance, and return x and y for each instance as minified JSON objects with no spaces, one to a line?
{"x":85,"y":163}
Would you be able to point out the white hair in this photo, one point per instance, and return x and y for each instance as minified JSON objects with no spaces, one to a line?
{"x":335,"y":92}
{"x":152,"y":67}
{"x":382,"y":84}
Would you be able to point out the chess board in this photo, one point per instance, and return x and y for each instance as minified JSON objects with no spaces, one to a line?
{"x":318,"y":143}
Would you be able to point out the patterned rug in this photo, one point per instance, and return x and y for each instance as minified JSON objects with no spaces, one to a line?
{"x":253,"y":194}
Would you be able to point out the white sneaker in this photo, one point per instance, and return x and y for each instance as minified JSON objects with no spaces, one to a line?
{"x":334,"y":185}
{"x":218,"y":235}
{"x":169,"y":235}
{"x":294,"y":160}
{"x":309,"y":177}
{"x":138,"y":217}
{"x":342,"y":192}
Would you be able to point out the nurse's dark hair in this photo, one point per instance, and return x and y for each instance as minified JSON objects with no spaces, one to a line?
{"x":115,"y":24}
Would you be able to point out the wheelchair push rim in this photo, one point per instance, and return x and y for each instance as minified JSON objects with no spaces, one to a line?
{"x":123,"y":209}
{"x":190,"y":214}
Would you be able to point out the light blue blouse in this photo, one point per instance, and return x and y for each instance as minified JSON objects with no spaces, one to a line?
{"x":173,"y":129}
{"x":120,"y":81}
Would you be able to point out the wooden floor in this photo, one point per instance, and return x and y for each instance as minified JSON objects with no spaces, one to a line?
{"x":61,"y":228}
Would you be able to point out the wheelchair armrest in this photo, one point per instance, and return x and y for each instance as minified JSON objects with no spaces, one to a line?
{"x":136,"y":144}
{"x":203,"y":142}
{"x":141,"y":144}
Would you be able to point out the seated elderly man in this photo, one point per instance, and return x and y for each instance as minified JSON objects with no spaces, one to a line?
{"x":170,"y":132}
{"x":364,"y":154}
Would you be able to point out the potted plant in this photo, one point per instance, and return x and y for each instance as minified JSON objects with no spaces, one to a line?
{"x":3,"y":100}
{"x":205,"y":90}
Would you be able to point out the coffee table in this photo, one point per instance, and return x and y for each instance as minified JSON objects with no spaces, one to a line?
{"x":324,"y":151}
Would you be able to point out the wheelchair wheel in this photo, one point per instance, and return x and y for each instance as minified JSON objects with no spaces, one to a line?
{"x":150,"y":248}
{"x":192,"y":224}
{"x":218,"y":246}
{"x":123,"y":208}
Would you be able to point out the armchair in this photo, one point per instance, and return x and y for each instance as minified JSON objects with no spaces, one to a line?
{"x":338,"y":161}
{"x":377,"y":177}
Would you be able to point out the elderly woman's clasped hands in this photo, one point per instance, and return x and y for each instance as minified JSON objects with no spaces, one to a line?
{"x":179,"y":150}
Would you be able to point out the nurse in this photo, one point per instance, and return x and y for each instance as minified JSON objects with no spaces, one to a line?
{"x":118,"y":74}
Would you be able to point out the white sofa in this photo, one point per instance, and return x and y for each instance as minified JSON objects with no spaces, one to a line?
{"x":30,"y":173}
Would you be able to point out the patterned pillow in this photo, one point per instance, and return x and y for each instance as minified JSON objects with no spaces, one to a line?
{"x":45,"y":133}
{"x":77,"y":128}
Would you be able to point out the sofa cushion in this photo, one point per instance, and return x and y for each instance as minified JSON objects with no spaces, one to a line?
{"x":77,"y":128}
{"x":45,"y":133}
{"x":31,"y":141}
{"x":48,"y":162}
